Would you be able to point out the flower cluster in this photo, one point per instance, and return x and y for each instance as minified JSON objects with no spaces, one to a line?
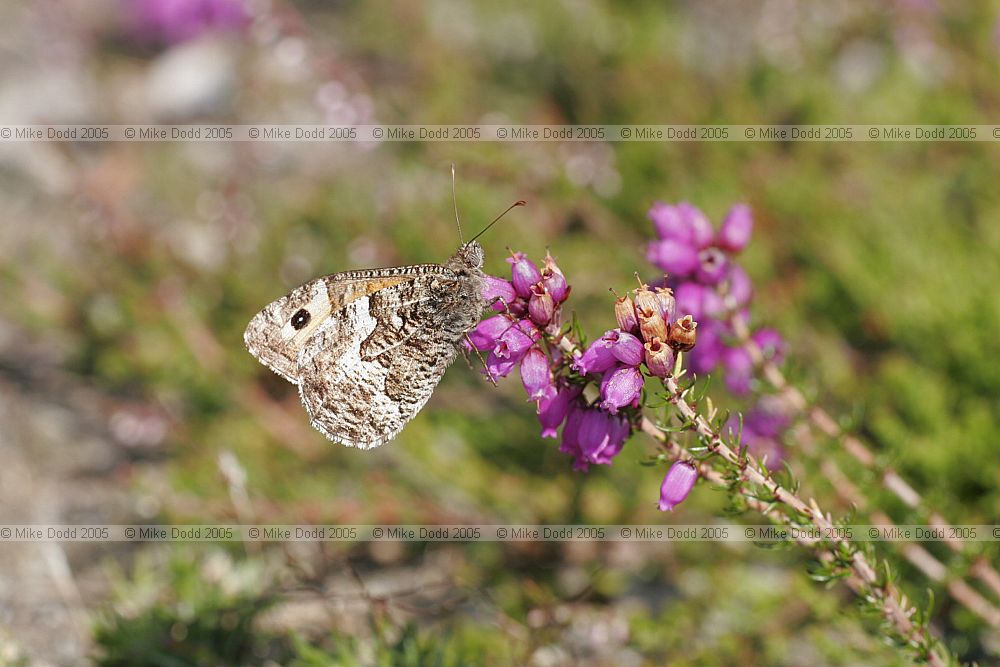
{"x":525,"y":333}
{"x":528,"y":304}
{"x":710,"y":286}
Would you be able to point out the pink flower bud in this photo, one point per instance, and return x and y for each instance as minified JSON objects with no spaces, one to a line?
{"x":690,"y":299}
{"x":770,"y":343}
{"x":524,"y":274}
{"x":554,"y":280}
{"x":598,"y":356}
{"x":702,"y":233}
{"x":677,"y":484}
{"x":541,"y":306}
{"x":627,"y":349}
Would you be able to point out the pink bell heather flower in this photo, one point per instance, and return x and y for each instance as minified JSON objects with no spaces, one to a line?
{"x":486,"y":334}
{"x":524,"y":274}
{"x":620,"y":386}
{"x":677,"y":258}
{"x":553,"y":410}
{"x":571,"y":437}
{"x":601,"y":436}
{"x":554,"y":280}
{"x":739,"y":369}
{"x":618,"y":432}
{"x":536,"y":376}
{"x":712,"y":265}
{"x":541,"y":306}
{"x":512,"y":345}
{"x":626,"y":348}
{"x":498,"y":293}
{"x":598,"y":357}
{"x":736,"y":229}
{"x":677,"y":484}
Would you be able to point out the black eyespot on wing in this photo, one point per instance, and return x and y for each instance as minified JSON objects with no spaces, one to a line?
{"x":300,"y":318}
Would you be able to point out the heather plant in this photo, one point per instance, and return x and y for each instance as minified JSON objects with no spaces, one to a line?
{"x":646,"y":375}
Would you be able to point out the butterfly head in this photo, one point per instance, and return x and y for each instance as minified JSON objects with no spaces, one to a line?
{"x":468,"y":257}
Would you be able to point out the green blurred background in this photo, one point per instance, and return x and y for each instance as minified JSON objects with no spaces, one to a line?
{"x":129,"y":270}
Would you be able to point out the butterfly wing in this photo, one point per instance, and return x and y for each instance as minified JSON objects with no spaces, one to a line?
{"x":372,"y":365}
{"x":272,"y":336}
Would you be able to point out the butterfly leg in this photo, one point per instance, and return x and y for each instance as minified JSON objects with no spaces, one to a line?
{"x":481,"y":360}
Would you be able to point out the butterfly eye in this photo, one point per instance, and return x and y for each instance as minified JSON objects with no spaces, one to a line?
{"x":300,"y":318}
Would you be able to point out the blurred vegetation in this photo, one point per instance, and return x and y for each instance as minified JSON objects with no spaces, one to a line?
{"x":137,"y":266}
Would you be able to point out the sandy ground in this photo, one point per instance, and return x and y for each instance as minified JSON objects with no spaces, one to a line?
{"x":58,"y":465}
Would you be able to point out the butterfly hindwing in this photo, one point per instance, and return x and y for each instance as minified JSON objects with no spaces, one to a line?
{"x":374,"y":365}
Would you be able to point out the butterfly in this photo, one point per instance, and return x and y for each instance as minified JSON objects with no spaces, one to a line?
{"x":367,"y":348}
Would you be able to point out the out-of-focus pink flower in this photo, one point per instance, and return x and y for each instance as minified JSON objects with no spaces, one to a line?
{"x":739,"y":369}
{"x":712,"y":265}
{"x":736,"y":229}
{"x":770,"y":343}
{"x":173,"y":21}
{"x":675,"y":257}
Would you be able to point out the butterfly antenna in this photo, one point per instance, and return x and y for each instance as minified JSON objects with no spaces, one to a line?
{"x":454,"y":201}
{"x":519,"y":202}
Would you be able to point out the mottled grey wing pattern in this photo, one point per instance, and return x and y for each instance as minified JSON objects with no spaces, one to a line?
{"x":374,"y":364}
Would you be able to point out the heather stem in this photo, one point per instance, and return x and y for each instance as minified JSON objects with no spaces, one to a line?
{"x":889,"y":477}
